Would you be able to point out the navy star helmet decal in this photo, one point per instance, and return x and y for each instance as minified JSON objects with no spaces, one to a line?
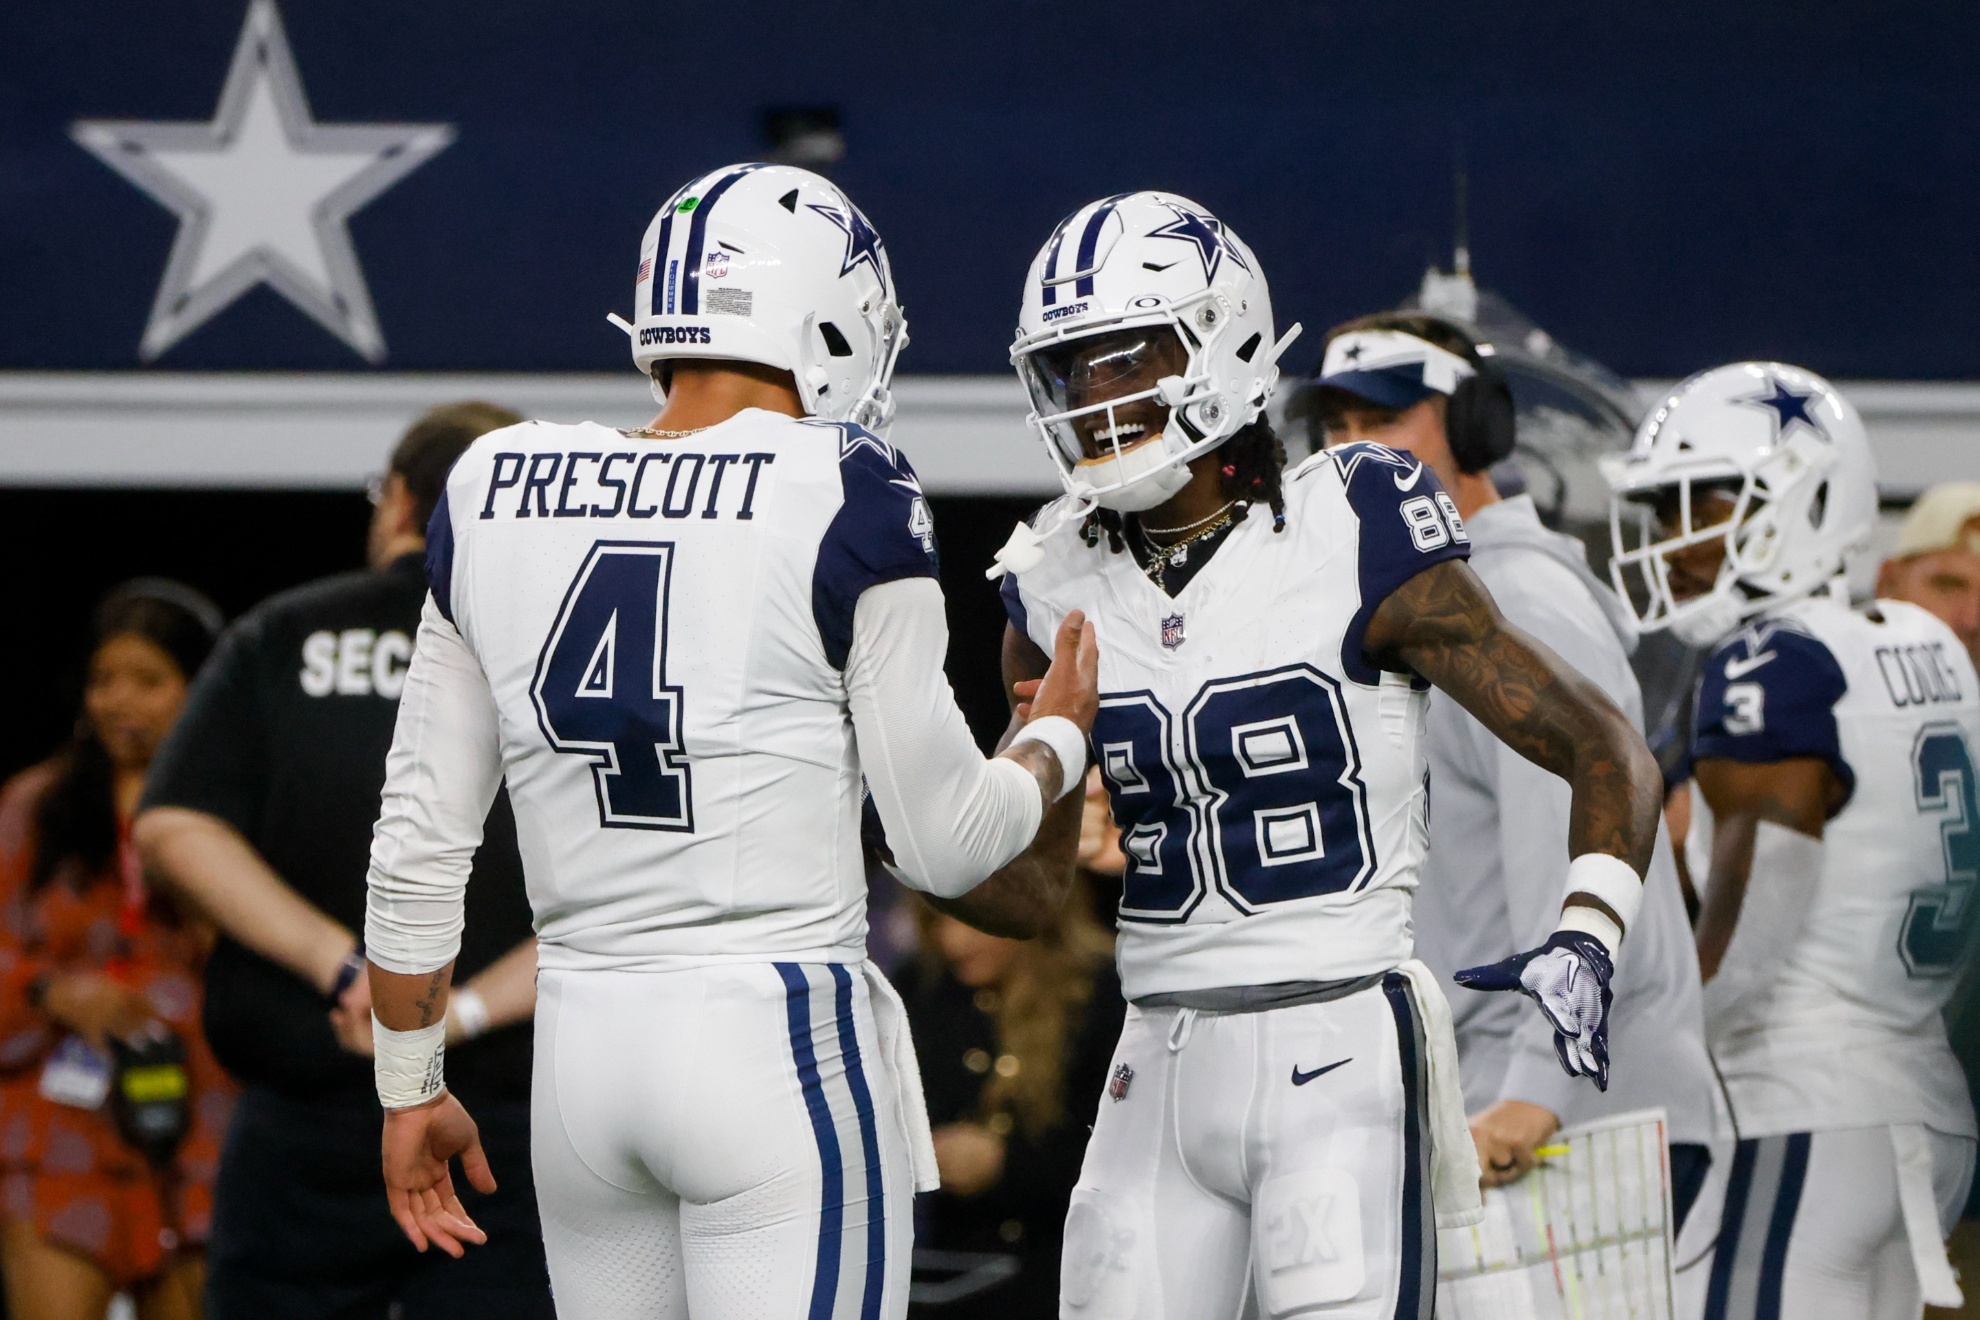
{"x":1789,"y":408}
{"x":1206,"y":232}
{"x":862,"y":242}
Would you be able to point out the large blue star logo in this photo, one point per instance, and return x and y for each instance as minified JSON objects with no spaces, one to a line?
{"x":1788,"y":407}
{"x":862,"y":243}
{"x":1207,"y":232}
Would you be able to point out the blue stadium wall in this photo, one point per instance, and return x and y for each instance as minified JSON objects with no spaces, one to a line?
{"x":1663,"y":186}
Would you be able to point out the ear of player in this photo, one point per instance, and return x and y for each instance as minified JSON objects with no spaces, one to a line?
{"x":775,"y":265}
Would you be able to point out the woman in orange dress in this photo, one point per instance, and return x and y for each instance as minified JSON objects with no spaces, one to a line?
{"x":111,"y":1109}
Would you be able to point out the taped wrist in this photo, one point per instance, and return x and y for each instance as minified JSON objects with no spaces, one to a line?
{"x":409,"y":1066}
{"x":1067,"y":743}
{"x":1610,"y":879}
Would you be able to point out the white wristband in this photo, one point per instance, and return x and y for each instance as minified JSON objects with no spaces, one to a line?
{"x":409,"y":1066}
{"x":1610,"y":879}
{"x":1067,"y":743}
{"x":469,"y":1011}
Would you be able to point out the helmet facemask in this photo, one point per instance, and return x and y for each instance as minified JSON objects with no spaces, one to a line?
{"x":1650,"y":526}
{"x":1114,"y":408}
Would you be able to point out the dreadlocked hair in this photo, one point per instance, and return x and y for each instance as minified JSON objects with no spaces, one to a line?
{"x":1253,"y":472}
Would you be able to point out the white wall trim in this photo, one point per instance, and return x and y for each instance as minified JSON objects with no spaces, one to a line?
{"x":329,"y":431}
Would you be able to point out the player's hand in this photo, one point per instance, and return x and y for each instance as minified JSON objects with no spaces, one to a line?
{"x":1568,"y":977}
{"x":1507,"y":1134}
{"x":1071,"y":687}
{"x":418,"y":1144}
{"x":350,"y":1017}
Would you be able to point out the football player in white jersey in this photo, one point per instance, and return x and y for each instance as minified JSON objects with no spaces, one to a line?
{"x":1834,"y":751}
{"x":1283,"y":1128}
{"x":684,"y":647}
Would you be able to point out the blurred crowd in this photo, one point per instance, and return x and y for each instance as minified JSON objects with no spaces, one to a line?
{"x":186,"y":1115}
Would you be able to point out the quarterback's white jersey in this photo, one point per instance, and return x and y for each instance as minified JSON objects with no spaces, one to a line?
{"x":1267,"y":778}
{"x":1849,"y":1034}
{"x":654,"y":641}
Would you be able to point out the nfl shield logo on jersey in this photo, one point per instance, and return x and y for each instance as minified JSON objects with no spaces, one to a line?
{"x":1117,"y":1085}
{"x":1172,"y":631}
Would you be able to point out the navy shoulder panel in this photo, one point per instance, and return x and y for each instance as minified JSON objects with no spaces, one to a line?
{"x":1769,"y":694}
{"x":883,"y":532}
{"x":440,"y":558}
{"x":1014,"y":605}
{"x":1408,"y":523}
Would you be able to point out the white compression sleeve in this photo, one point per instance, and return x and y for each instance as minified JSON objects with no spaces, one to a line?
{"x":1780,"y":887}
{"x":952,"y":815}
{"x":440,"y":779}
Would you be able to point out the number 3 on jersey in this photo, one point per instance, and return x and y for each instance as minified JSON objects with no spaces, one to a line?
{"x":1935,"y":928}
{"x":601,"y":687}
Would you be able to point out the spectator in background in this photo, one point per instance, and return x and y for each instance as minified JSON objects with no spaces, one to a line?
{"x":261,"y":810}
{"x":1015,"y":1038}
{"x":1936,"y":565}
{"x":95,"y":969}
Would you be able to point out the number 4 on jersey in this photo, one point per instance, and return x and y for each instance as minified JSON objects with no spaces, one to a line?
{"x":601,"y":687}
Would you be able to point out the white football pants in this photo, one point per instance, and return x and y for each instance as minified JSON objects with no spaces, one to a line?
{"x":1811,"y":1226}
{"x":1269,"y":1163}
{"x":724,"y":1143}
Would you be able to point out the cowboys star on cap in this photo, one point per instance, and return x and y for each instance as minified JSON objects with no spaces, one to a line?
{"x":263,"y":194}
{"x":1206,"y":232}
{"x":862,"y":243}
{"x":1788,"y":407}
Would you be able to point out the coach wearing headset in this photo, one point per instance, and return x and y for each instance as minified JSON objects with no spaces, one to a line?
{"x":1498,"y":823}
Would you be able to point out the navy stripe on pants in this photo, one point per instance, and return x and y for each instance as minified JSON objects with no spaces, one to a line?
{"x":1763,"y":1194}
{"x":824,"y":1128}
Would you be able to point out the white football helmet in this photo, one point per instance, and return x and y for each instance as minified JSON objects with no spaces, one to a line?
{"x":1791,"y":453}
{"x":1173,"y":288}
{"x":772,"y":264}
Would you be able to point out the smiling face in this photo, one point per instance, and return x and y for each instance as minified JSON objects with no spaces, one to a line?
{"x":1083,"y":373}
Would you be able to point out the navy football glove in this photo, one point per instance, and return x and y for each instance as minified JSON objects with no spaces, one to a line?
{"x":1568,"y":977}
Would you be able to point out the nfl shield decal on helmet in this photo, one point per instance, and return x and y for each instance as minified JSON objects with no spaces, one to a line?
{"x":1172,"y":631}
{"x":1117,"y":1085}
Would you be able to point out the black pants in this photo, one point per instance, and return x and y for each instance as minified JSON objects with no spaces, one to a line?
{"x":301,"y":1230}
{"x":1689,"y":1165}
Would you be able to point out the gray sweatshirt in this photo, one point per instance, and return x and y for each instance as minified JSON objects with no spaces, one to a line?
{"x":1498,"y":860}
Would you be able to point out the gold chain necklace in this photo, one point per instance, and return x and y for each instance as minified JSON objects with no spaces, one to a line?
{"x":1162,"y":558}
{"x":648,"y":433}
{"x":1171,"y":531}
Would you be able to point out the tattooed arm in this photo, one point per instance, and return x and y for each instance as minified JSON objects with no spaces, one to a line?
{"x":1796,"y":794}
{"x":1443,"y":624}
{"x":1018,"y":901}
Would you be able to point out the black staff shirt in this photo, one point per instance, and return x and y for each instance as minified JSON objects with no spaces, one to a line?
{"x":284,"y":737}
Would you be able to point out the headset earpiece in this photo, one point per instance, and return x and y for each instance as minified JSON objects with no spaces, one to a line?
{"x":1480,"y":421}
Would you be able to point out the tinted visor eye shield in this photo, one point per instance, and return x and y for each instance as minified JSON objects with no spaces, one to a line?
{"x":1100,"y":395}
